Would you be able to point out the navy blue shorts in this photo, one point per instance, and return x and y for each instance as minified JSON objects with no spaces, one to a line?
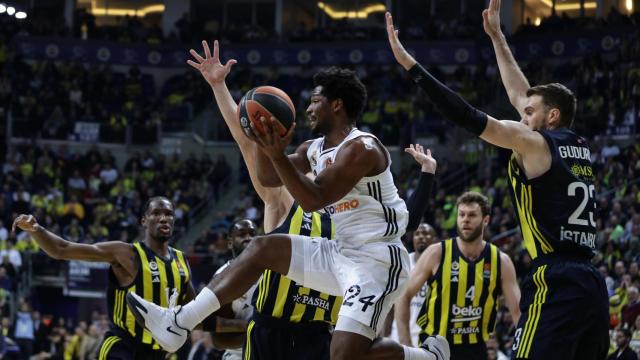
{"x":116,"y":347}
{"x":565,"y":312}
{"x":281,"y":340}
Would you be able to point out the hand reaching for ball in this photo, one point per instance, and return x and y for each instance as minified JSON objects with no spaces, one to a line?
{"x":269,"y":140}
{"x":210,"y":66}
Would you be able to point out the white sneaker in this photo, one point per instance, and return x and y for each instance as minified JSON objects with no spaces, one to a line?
{"x":438,"y":346}
{"x":161,"y":322}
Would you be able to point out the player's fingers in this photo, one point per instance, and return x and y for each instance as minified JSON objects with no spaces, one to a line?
{"x":289,"y":135}
{"x":267,"y":130}
{"x":207,"y":52}
{"x":390,"y":31}
{"x":429,"y":152}
{"x":193,"y":64}
{"x":216,"y":50}
{"x":230,"y":63}
{"x":257,"y":133}
{"x":196,"y":55}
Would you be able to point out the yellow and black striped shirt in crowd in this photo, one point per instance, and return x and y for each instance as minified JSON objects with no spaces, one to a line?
{"x":157,"y":279}
{"x":280,"y":297}
{"x":461,"y":304}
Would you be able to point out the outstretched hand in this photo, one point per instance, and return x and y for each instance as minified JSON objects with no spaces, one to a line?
{"x":399,"y":52}
{"x":26,"y":223}
{"x":491,"y":19}
{"x":210,"y":66}
{"x":426,"y":161}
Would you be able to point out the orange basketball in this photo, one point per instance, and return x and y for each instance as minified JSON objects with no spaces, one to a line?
{"x":266,"y":101}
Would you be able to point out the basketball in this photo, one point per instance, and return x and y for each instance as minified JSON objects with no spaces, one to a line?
{"x":265,"y":101}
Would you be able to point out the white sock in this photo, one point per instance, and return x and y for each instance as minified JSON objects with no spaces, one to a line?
{"x":198,"y":309}
{"x":412,"y":353}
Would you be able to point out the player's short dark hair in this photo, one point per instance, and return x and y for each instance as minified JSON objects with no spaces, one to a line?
{"x":343,"y":84}
{"x":472,"y":197}
{"x":558,"y":96}
{"x":238,"y":221}
{"x":152,"y":199}
{"x":626,"y":332}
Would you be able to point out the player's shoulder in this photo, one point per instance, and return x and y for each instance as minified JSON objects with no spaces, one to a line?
{"x":432,"y":252}
{"x":366,"y":145}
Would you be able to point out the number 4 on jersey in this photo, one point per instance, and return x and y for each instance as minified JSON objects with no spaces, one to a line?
{"x":471,"y":293}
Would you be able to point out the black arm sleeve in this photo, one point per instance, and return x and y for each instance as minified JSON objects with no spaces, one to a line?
{"x":450,"y":104}
{"x":418,"y":201}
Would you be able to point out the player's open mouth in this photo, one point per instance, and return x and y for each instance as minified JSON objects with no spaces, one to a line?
{"x":165,"y":228}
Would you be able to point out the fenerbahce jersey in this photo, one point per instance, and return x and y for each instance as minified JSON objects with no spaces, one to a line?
{"x":461,"y":304}
{"x":372,"y":211}
{"x":157,"y":279}
{"x":556,"y":210}
{"x":279,"y":297}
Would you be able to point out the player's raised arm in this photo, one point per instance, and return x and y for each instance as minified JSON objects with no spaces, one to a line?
{"x":513,"y":79}
{"x":507,"y":134}
{"x":215,"y":73}
{"x":425,"y":267}
{"x":59,"y":248}
{"x":417,"y":202}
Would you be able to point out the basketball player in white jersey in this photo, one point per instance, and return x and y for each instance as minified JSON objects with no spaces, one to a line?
{"x":406,"y":332}
{"x":232,"y":319}
{"x":367,"y":263}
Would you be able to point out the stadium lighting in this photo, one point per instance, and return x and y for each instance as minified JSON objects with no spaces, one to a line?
{"x":538,"y":21}
{"x":575,"y":6}
{"x":11,"y":10}
{"x":629,"y":5}
{"x":3,"y":8}
{"x":362,"y":13}
{"x":21,"y":15}
{"x":142,"y":12}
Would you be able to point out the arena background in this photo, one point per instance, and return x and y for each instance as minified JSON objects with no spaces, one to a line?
{"x":99,"y":111}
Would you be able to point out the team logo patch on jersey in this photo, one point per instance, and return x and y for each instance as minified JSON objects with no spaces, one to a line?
{"x":582,"y":171}
{"x":455,"y":270}
{"x":153,"y":266}
{"x":486,"y":272}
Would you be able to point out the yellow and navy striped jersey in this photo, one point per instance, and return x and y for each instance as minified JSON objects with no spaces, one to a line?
{"x":556,"y":210}
{"x":461,"y":304}
{"x":157,"y":279}
{"x":280,"y":297}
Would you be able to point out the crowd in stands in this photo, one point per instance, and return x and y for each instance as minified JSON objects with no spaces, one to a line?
{"x":88,"y":198}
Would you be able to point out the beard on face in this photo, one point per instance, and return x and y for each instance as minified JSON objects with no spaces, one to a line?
{"x":472,"y":236}
{"x":422,"y":246}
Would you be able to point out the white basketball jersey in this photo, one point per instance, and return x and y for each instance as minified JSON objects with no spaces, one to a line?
{"x":414,"y":308}
{"x":372,"y":211}
{"x":242,"y":309}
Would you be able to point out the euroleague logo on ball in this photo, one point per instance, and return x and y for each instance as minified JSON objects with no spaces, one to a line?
{"x":244,"y":122}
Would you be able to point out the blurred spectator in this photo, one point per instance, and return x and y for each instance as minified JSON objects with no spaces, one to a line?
{"x":623,"y":352}
{"x":25,"y":330}
{"x":90,"y":344}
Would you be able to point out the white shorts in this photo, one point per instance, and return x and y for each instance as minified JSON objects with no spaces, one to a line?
{"x":370,"y":278}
